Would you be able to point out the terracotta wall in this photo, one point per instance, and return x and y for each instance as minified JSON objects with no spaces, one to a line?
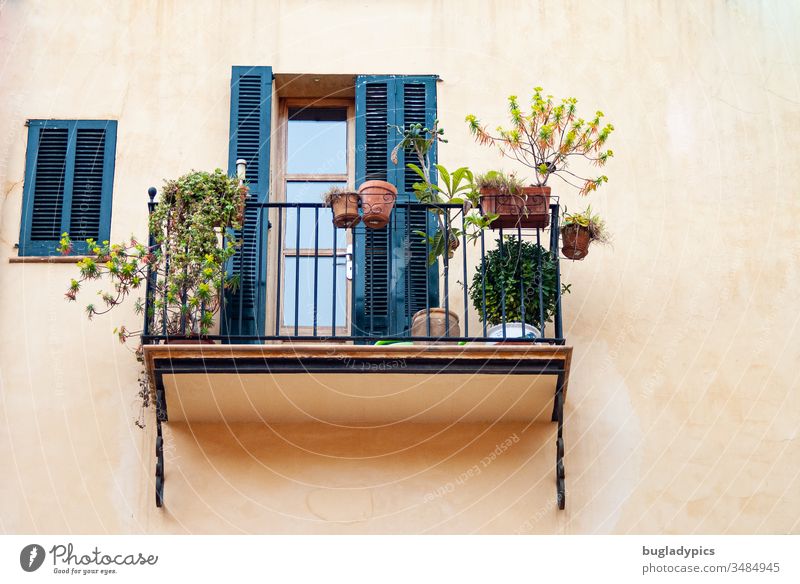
{"x":683,"y":404}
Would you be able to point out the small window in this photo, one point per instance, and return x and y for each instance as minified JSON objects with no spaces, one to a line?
{"x":69,"y":171}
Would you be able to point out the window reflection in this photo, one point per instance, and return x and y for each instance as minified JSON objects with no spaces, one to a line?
{"x":317,"y":141}
{"x":305,"y":291}
{"x":311,"y":192}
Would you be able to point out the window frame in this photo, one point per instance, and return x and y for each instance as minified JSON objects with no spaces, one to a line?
{"x":41,"y":248}
{"x":281,"y":179}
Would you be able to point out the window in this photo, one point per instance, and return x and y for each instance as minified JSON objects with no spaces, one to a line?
{"x":69,"y":170}
{"x":332,"y":129}
{"x":313,"y":255}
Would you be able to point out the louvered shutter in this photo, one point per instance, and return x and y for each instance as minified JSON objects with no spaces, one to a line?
{"x":251,"y":111}
{"x":68,"y":184}
{"x":392,"y":279}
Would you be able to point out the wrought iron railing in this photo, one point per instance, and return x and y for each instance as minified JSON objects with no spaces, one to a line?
{"x":303,"y":280}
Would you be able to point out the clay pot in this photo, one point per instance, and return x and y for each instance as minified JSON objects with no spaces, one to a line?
{"x":438,"y":320}
{"x":451,"y":249}
{"x":530,"y":208}
{"x":377,"y":201}
{"x":575,"y":241}
{"x":345,"y":210}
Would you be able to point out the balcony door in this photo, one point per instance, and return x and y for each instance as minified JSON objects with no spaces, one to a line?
{"x":316,"y":143}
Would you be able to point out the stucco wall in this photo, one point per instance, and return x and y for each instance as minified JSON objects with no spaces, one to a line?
{"x":683,"y":406}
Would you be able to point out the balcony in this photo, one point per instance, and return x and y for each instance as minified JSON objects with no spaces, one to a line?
{"x":330,"y":326}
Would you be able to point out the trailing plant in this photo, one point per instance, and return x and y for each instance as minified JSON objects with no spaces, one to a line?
{"x":509,"y":281}
{"x":595,"y":224}
{"x":186,"y":261}
{"x":548,"y":137}
{"x":439,"y":187}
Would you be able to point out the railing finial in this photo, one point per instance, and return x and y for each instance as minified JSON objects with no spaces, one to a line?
{"x":151,"y":192}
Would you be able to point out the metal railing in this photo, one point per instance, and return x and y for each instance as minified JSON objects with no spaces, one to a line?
{"x":336,"y":295}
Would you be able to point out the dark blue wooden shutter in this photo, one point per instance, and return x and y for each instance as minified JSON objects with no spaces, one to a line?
{"x":251,"y":112}
{"x":88,"y":204}
{"x":421,"y":281}
{"x":392,"y":279}
{"x":68,"y":184}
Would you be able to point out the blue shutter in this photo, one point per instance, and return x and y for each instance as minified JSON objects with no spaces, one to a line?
{"x":251,"y":112}
{"x":69,"y":174}
{"x":392,"y":279}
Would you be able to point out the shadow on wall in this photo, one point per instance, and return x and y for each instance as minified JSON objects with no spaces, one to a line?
{"x":315,"y":478}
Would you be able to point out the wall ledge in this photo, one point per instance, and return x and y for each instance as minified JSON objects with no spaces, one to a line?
{"x":73,"y":259}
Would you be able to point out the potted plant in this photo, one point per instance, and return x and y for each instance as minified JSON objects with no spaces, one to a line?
{"x":578,"y":230}
{"x":440,"y":189}
{"x":545,"y":140}
{"x":505,"y":196}
{"x":377,"y":200}
{"x":505,"y":289}
{"x":185,"y":263}
{"x":344,"y":204}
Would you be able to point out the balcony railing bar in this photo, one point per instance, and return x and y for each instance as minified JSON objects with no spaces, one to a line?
{"x":466,"y":270}
{"x":403,"y":213}
{"x":356,"y":338}
{"x":333,"y":284}
{"x":316,"y":268}
{"x":278,"y":269}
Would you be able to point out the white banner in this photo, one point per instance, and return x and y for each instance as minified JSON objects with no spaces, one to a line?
{"x":400,"y":559}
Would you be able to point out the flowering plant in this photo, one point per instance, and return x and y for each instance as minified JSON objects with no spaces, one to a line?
{"x":185,"y":263}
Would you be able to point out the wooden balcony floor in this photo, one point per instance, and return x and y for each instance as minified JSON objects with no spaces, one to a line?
{"x":357,"y":384}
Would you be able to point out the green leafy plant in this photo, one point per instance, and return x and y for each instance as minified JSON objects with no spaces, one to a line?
{"x":548,"y":137}
{"x":186,"y":262}
{"x":595,"y":224}
{"x":509,"y":280}
{"x":437,"y":187}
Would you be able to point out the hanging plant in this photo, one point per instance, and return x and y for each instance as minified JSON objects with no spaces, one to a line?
{"x":186,"y":260}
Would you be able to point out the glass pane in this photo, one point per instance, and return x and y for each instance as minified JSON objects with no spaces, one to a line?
{"x":310,"y":192}
{"x":304,"y":292}
{"x":317,"y":141}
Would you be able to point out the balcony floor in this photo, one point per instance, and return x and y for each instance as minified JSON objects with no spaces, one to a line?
{"x":357,"y":384}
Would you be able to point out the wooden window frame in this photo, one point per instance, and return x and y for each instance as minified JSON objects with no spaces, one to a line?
{"x":279,"y":192}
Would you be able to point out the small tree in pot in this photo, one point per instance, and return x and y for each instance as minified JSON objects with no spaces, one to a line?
{"x":440,"y":189}
{"x":505,"y":289}
{"x":438,"y":186}
{"x":545,"y":140}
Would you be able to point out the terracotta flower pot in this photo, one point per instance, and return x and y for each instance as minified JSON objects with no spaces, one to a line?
{"x":530,"y":208}
{"x":377,"y":201}
{"x":575,"y":241}
{"x":451,"y":249}
{"x":345,"y":210}
{"x":438,"y":320}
